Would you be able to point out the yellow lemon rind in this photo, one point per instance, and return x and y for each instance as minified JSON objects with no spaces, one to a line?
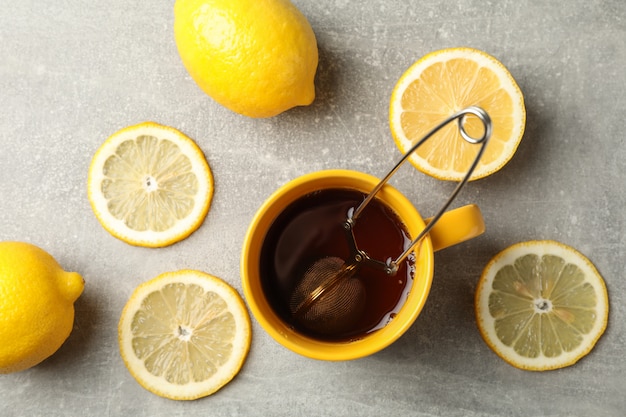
{"x":485,"y":322}
{"x":196,"y":390}
{"x":153,"y":239}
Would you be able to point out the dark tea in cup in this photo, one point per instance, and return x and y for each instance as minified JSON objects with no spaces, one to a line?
{"x":311,"y":228}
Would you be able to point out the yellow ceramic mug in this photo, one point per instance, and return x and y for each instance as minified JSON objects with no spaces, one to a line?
{"x":453,"y":227}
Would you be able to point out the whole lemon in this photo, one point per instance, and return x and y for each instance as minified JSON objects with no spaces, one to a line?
{"x":36,"y":305}
{"x":255,"y":57}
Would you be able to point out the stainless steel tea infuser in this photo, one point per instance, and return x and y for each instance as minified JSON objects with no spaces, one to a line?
{"x":330,"y":296}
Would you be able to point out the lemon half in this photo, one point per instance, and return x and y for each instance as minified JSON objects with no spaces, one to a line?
{"x":441,"y":84}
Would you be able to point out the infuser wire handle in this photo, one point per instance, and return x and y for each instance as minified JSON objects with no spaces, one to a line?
{"x":460,"y":116}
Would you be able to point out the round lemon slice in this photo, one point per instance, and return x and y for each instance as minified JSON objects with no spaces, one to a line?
{"x":150,"y":185}
{"x":443,"y":83}
{"x":183,"y":335}
{"x":541,"y":305}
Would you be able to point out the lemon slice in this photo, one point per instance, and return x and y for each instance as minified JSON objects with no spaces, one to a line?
{"x":541,"y":305}
{"x":150,"y":185}
{"x":183,"y":335}
{"x":443,"y":83}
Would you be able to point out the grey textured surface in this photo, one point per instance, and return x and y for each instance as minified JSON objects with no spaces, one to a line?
{"x":73,"y":72}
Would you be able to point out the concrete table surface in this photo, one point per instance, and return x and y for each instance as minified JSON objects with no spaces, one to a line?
{"x":74,"y":72}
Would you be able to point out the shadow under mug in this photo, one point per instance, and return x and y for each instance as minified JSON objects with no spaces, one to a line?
{"x":453,"y":227}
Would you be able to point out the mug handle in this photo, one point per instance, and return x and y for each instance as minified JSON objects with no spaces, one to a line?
{"x":456,"y":226}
